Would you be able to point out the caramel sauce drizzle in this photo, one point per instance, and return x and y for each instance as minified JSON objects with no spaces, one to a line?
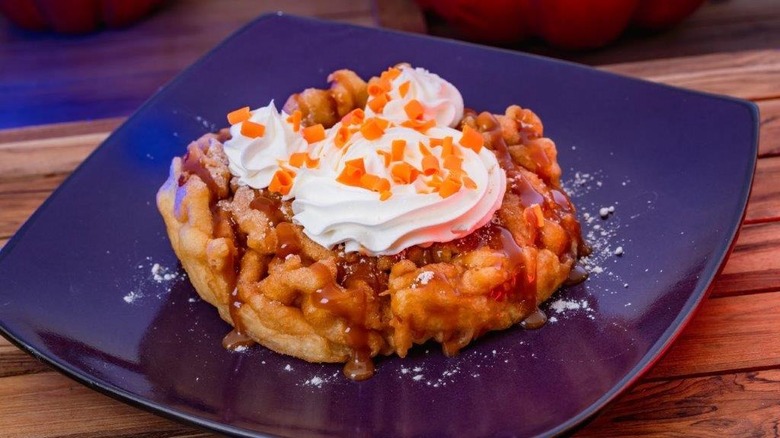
{"x":271,"y":207}
{"x":191,"y":165}
{"x":341,"y":294}
{"x":223,"y":227}
{"x":351,"y":306}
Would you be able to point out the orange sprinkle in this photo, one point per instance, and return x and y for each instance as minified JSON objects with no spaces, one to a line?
{"x":377,"y":104}
{"x":424,"y":150}
{"x":313,"y":134}
{"x":404,"y":173}
{"x":383,"y":123}
{"x":452,"y":163}
{"x":383,"y":186}
{"x":430,"y":165}
{"x":472,"y":139}
{"x":295,"y":119}
{"x":298,"y":159}
{"x":369,"y":181}
{"x":433,"y":142}
{"x":252,"y":129}
{"x":281,"y":182}
{"x":239,"y":115}
{"x":372,"y":129}
{"x":447,"y":148}
{"x":374,"y":183}
{"x":342,"y":136}
{"x":403,"y":89}
{"x":470,"y":184}
{"x":449,"y":187}
{"x":414,"y":110}
{"x":379,"y":86}
{"x":398,"y":149}
{"x":390,"y":74}
{"x":354,"y":117}
{"x":384,"y":196}
{"x":353,"y":171}
{"x":435,"y":182}
{"x":456,"y":175}
{"x":419,"y":125}
{"x":312,"y":162}
{"x":387,"y":156}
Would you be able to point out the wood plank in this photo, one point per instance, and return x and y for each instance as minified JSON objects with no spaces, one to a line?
{"x":51,"y":405}
{"x":402,"y":15}
{"x":32,"y":183}
{"x":20,"y":197}
{"x":17,"y":208}
{"x":753,"y":74}
{"x":769,"y":142}
{"x":14,"y":362}
{"x":754,"y":265}
{"x":740,"y":404}
{"x":56,"y":130}
{"x":764,"y":202}
{"x":46,"y":155}
{"x":719,"y":26}
{"x":715,"y":340}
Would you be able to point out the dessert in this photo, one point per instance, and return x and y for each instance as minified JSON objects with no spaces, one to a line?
{"x":366,"y":218}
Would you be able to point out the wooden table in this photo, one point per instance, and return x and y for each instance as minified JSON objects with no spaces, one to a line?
{"x":720,"y":378}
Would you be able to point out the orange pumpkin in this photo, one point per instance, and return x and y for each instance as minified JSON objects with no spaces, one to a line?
{"x":75,"y":16}
{"x":568,"y":24}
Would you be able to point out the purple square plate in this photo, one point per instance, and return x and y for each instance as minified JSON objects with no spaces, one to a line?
{"x":84,"y":285}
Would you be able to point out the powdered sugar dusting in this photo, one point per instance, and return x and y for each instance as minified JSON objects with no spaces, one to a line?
{"x":153,"y":280}
{"x":323,"y":378}
{"x":567,"y":308}
{"x":423,"y":278}
{"x":131,"y":297}
{"x":601,"y":225}
{"x":161,"y":273}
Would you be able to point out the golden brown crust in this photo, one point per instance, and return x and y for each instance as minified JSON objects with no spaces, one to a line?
{"x":245,"y":257}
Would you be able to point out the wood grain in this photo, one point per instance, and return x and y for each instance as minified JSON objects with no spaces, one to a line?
{"x":714,"y":341}
{"x":403,"y":15}
{"x":754,"y":266}
{"x":729,"y":405}
{"x":17,"y":207}
{"x":764,"y":203}
{"x":51,"y":405}
{"x":14,"y":361}
{"x":751,"y":74}
{"x":56,"y":130}
{"x":46,"y":156}
{"x":769,"y":144}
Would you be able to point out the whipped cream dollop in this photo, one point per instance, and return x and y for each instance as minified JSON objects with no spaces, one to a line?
{"x":255,"y":160}
{"x":414,"y":214}
{"x":383,"y":179}
{"x":440,"y":99}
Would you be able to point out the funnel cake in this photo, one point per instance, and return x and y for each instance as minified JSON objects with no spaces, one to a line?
{"x":248,"y":254}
